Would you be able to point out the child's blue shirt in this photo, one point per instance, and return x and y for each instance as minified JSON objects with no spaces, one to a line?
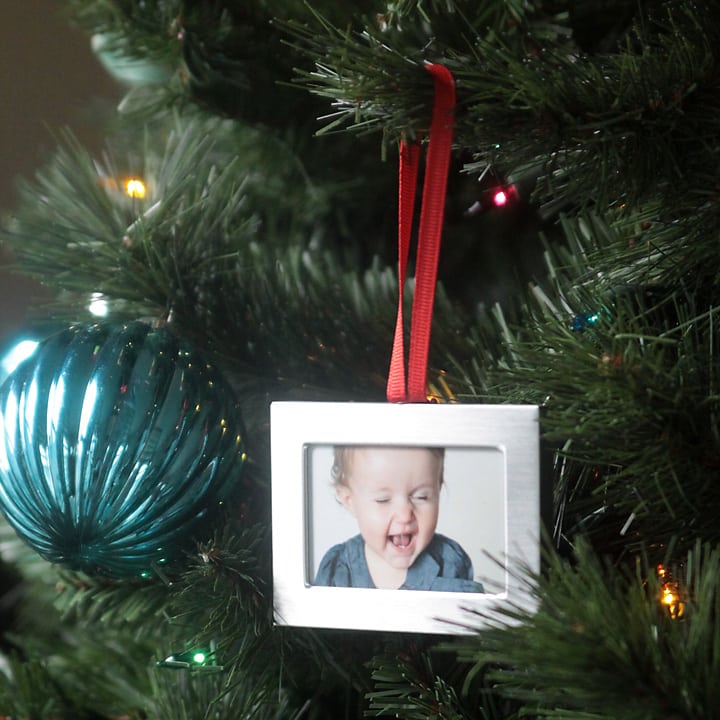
{"x":443,"y":565}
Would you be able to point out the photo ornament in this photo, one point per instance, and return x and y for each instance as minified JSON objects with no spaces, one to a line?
{"x":403,"y":517}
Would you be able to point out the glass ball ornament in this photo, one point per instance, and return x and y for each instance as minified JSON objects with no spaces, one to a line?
{"x":117,"y":444}
{"x":21,"y":344}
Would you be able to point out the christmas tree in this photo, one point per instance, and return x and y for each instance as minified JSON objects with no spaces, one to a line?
{"x":244,"y":203}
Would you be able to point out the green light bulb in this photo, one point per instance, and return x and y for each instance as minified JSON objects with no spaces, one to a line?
{"x":195,"y":660}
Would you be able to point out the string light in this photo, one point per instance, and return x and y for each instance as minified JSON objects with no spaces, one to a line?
{"x":501,"y":196}
{"x":197,"y":660}
{"x":135,"y":188}
{"x":671,"y":595}
{"x":439,"y":391}
{"x":583,"y":321}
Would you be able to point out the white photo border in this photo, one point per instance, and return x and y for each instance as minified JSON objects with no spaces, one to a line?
{"x":298,"y":426}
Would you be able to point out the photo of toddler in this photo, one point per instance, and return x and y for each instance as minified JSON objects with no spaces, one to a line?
{"x":394,"y":495}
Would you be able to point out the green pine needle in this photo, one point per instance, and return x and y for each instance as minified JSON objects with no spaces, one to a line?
{"x":602,"y":644}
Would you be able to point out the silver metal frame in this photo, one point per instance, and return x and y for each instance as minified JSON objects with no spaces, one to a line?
{"x":297,"y":426}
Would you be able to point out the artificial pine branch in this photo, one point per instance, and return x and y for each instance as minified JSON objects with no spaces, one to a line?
{"x":27,"y":690}
{"x":214,"y":697}
{"x":231,"y":229}
{"x":606,"y":127}
{"x":603,"y":645}
{"x":221,"y":582}
{"x":371,"y":72}
{"x":248,"y":254}
{"x":96,"y":676}
{"x":223,"y":55}
{"x":627,"y":376}
{"x":406,"y":685}
{"x":610,"y":133}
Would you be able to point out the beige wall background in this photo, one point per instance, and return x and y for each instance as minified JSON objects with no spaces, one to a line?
{"x":49,"y":79}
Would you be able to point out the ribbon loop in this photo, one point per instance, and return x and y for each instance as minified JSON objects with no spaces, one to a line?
{"x":429,"y":237}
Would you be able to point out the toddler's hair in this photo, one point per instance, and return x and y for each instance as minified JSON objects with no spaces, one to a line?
{"x":343,"y":453}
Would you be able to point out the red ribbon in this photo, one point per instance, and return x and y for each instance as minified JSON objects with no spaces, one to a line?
{"x":429,"y":236}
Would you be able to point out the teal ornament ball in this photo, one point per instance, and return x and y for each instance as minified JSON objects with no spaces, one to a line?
{"x":117,"y":445}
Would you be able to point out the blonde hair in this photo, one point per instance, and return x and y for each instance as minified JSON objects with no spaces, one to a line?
{"x":343,"y":453}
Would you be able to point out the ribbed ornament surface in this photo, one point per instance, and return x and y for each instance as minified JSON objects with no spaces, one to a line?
{"x":116,"y":443}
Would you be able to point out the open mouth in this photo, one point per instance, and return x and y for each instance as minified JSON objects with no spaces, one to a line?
{"x":401,"y":542}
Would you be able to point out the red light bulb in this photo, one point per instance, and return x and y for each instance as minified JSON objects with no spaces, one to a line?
{"x":500,"y":198}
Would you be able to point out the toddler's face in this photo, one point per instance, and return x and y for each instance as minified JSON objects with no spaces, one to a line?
{"x":394,"y":493}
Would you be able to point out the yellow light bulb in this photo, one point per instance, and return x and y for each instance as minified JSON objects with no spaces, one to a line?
{"x":672,"y":599}
{"x":135,"y":188}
